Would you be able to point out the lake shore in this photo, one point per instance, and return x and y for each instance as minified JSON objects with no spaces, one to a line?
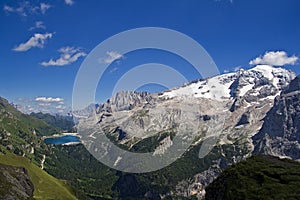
{"x":60,"y":135}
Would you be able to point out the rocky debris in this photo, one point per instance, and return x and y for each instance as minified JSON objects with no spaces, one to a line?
{"x":15,"y":183}
{"x":280,"y":133}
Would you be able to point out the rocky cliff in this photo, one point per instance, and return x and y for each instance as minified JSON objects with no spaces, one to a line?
{"x":15,"y":183}
{"x":280,"y":133}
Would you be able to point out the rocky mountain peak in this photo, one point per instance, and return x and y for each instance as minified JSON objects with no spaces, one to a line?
{"x":126,"y":100}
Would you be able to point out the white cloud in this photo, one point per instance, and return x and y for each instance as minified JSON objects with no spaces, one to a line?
{"x":25,"y":8}
{"x":38,"y":25}
{"x":49,"y":99}
{"x":21,"y":9}
{"x":68,"y":55}
{"x":275,"y":58}
{"x":37,"y":40}
{"x":44,"y":7}
{"x":60,"y":107}
{"x":237,"y":68}
{"x":52,"y":105}
{"x":69,"y":2}
{"x":112,"y":56}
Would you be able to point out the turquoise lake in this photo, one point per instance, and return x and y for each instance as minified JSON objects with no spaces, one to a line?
{"x":62,"y":140}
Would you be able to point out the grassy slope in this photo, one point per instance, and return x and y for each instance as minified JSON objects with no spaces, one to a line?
{"x":45,"y":185}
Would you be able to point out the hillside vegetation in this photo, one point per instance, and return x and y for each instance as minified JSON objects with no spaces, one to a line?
{"x":258,"y":177}
{"x":65,"y":123}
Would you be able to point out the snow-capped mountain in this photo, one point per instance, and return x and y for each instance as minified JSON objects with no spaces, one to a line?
{"x":253,"y":82}
{"x":231,"y":108}
{"x":234,"y":96}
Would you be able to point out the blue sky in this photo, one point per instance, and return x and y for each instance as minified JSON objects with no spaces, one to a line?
{"x":36,"y":34}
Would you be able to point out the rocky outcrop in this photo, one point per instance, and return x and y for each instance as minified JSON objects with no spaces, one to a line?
{"x":280,"y":133}
{"x":15,"y":183}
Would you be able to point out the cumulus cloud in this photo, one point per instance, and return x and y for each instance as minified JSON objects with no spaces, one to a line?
{"x":38,"y":25}
{"x":275,"y":58}
{"x":49,"y":99}
{"x":25,"y":8}
{"x":37,"y":40}
{"x":69,"y":2}
{"x":68,"y":55}
{"x":112,"y":56}
{"x":52,"y":105}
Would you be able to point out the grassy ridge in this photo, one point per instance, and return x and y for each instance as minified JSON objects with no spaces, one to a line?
{"x":45,"y":185}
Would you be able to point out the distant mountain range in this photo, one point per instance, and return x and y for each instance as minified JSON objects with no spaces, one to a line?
{"x":249,"y":112}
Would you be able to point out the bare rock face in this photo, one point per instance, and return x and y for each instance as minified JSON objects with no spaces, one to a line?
{"x":280,"y":133}
{"x":126,"y":100}
{"x":15,"y":183}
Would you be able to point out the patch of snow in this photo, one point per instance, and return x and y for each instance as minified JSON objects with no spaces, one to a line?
{"x":266,"y":70}
{"x":245,"y":89}
{"x":213,"y":88}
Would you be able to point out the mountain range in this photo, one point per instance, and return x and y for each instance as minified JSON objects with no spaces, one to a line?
{"x":244,"y":113}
